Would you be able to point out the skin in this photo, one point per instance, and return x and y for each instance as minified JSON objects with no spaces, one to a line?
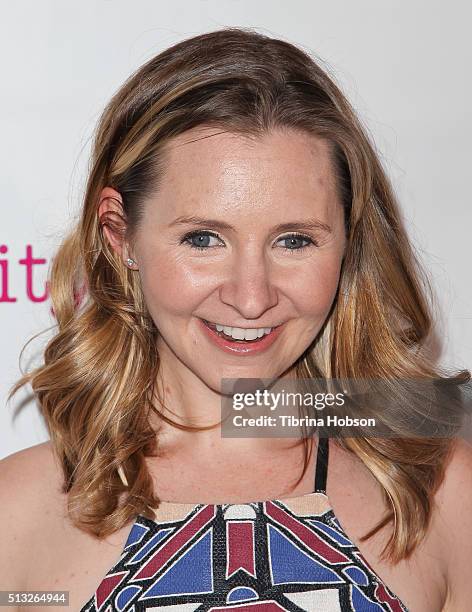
{"x":246,"y":277}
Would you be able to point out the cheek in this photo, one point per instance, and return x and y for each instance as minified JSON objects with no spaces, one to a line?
{"x":170,"y":286}
{"x":316,"y":290}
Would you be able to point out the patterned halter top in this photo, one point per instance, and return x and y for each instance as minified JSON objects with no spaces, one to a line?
{"x":269,"y":556}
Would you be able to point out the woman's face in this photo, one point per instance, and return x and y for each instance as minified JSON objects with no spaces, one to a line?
{"x":248,"y":273}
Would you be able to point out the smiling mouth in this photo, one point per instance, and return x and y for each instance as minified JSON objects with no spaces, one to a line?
{"x":222,"y":334}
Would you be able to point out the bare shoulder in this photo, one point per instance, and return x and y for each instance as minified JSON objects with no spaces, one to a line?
{"x":32,"y":472}
{"x":454,"y":506}
{"x":30,"y":483}
{"x":42,"y":549}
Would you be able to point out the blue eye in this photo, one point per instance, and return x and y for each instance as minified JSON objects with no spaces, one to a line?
{"x":298,"y":237}
{"x":202,"y":238}
{"x":201,"y":245}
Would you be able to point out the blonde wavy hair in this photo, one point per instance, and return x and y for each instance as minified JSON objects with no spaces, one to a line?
{"x":95,"y":388}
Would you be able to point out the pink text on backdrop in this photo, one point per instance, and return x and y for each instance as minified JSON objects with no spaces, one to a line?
{"x":29,"y":261}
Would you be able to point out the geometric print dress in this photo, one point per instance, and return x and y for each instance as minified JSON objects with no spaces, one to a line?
{"x":284,"y":554}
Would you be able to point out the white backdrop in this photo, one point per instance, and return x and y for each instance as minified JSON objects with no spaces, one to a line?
{"x":404,"y":66}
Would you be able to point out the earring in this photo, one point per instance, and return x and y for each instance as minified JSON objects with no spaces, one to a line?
{"x":130,"y":261}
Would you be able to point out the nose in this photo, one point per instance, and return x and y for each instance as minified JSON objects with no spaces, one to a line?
{"x":249,"y":287}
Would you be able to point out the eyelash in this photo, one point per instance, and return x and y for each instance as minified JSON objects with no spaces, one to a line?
{"x":190,"y":235}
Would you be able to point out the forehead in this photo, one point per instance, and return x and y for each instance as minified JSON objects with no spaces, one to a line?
{"x":208,"y":166}
{"x":279,"y":146}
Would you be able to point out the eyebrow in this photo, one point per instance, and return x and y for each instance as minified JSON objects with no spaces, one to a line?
{"x":306,"y":224}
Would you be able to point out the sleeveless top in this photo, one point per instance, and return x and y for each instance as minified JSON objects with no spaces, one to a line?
{"x":263,"y":556}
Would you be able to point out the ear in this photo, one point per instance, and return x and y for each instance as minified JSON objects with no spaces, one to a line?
{"x":112,"y":220}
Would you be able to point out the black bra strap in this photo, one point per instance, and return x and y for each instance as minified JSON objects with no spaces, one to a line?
{"x":322,"y":465}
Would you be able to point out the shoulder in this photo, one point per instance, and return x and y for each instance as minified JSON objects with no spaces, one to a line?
{"x":27,"y":472}
{"x":454,"y":511}
{"x":30,"y":485}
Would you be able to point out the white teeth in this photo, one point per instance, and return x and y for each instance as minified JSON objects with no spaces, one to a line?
{"x":241,"y":334}
{"x":238,"y":333}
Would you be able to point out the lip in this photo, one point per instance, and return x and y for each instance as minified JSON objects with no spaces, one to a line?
{"x":250,"y":348}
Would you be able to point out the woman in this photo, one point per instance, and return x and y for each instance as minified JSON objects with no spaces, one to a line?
{"x":232,"y":185}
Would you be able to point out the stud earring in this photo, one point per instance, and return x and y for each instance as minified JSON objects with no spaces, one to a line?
{"x":130,"y":261}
